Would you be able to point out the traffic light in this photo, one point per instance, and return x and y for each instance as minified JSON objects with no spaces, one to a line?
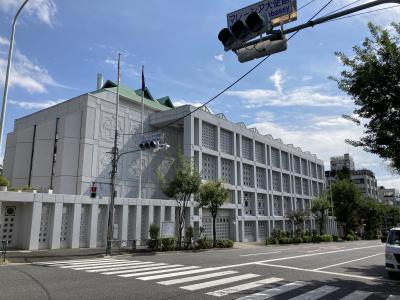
{"x":93,"y":191}
{"x":262,"y":49}
{"x":151,"y":144}
{"x":241,"y":32}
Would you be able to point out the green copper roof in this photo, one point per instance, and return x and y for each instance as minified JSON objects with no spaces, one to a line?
{"x":135,"y":95}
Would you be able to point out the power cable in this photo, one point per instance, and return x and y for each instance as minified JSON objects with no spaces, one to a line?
{"x":363,"y":13}
{"x":341,"y":8}
{"x":237,"y":80}
{"x":305,"y":5}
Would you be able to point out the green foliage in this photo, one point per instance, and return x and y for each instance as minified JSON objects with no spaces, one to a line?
{"x":335,"y":238}
{"x":224,"y":243}
{"x":285,"y":241}
{"x":4,"y":181}
{"x":306,"y":239}
{"x":319,"y":208}
{"x":327,"y":238}
{"x":371,"y":214}
{"x":349,"y":237}
{"x":297,"y":240}
{"x":298,"y":217}
{"x":181,"y":186}
{"x":371,"y":77}
{"x":346,"y":202}
{"x":188,"y":237}
{"x":316,"y":239}
{"x":154,"y":231}
{"x":213,"y":195}
{"x":168,"y":244}
{"x":204,"y":243}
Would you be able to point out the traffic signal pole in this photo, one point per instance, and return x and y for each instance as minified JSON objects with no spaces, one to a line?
{"x":324,"y":19}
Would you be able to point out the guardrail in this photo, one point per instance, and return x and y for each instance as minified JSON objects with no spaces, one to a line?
{"x":3,"y":249}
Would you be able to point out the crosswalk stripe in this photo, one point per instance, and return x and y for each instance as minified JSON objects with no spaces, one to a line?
{"x":317,"y":293}
{"x":71,"y":261}
{"x":141,"y":269}
{"x":357,"y":295}
{"x":176,"y":274}
{"x":98,"y":264}
{"x":157,"y":272}
{"x":102,"y":266}
{"x":207,"y":284}
{"x":269,"y":293}
{"x":125,"y":267}
{"x":243,"y":287}
{"x":195,"y":278}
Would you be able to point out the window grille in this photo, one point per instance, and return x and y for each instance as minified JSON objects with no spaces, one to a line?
{"x":247,"y":148}
{"x":297,"y":185}
{"x":209,"y":167}
{"x":260,"y":173}
{"x":248,"y":205}
{"x":226,"y":141}
{"x":275,"y":158}
{"x":260,"y":153}
{"x":287,"y":205}
{"x":297,"y":166}
{"x":207,"y":226}
{"x":306,"y":190}
{"x":314,"y":170}
{"x":227,"y":171}
{"x":299,"y":204}
{"x":247,"y":175}
{"x":315,"y":188}
{"x":304,"y":167}
{"x":262,"y":229}
{"x":319,"y":171}
{"x":286,"y":183}
{"x":285,"y":161}
{"x":277,"y":205}
{"x":276,"y":181}
{"x":209,"y":136}
{"x":261,"y":204}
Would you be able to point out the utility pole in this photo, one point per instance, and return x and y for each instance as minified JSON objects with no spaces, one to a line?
{"x":114,"y":163}
{"x":10,"y":53}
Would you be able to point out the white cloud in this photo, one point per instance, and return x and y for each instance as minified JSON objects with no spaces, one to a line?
{"x":34,"y":105}
{"x":389,"y":181}
{"x":301,"y":96}
{"x":264,"y":116}
{"x":277,"y":79}
{"x":25,"y":73}
{"x":44,"y":10}
{"x":185,"y":102}
{"x":4,"y":41}
{"x":219,"y":57}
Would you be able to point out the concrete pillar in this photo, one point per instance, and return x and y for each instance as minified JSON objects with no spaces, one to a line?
{"x":94,"y":214}
{"x":124,"y":222}
{"x":162,"y":214}
{"x":56,"y":226}
{"x":138,"y":224}
{"x":151,"y":218}
{"x":76,"y":225}
{"x":188,"y":136}
{"x":33,"y":243}
{"x":191,"y":216}
{"x":173,"y":213}
{"x":237,"y":238}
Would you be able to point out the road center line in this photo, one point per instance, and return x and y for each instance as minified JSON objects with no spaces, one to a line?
{"x":347,"y":262}
{"x":263,"y":253}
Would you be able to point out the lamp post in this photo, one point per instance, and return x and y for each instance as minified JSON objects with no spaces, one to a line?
{"x":10,"y":52}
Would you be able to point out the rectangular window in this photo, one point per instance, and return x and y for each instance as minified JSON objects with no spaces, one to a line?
{"x":285,"y":161}
{"x":209,"y":167}
{"x":297,"y":185}
{"x":304,"y":167}
{"x":247,"y":175}
{"x":226,"y":141}
{"x":227,"y":171}
{"x":275,"y":158}
{"x":296,"y":163}
{"x":247,"y":149}
{"x":306,"y":190}
{"x":209,"y":136}
{"x":276,"y":181}
{"x":286,"y":183}
{"x":260,"y":153}
{"x":261,"y":178}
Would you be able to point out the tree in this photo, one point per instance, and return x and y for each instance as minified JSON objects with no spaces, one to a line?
{"x":319,"y":208}
{"x":371,"y":213}
{"x":213,"y":195}
{"x":346,"y":202}
{"x":184,"y":183}
{"x":372,"y":79}
{"x":298,"y":217}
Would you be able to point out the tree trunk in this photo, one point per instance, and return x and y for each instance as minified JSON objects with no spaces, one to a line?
{"x":181,"y":223}
{"x":214,"y":231}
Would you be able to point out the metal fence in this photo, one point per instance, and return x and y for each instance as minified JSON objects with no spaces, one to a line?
{"x":3,"y":249}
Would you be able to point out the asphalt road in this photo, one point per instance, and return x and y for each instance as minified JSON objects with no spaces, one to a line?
{"x":351,"y":270}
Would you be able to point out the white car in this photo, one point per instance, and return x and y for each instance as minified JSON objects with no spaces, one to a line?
{"x":392,"y":252}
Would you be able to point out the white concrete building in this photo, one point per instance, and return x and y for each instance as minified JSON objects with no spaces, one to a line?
{"x":389,"y":196}
{"x":65,"y":148}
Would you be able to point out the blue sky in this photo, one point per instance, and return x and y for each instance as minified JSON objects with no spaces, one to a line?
{"x":62,"y":45}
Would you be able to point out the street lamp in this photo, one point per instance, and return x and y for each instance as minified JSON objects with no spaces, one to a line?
{"x":10,"y":52}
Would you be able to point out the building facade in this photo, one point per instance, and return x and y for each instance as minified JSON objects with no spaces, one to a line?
{"x":65,"y":149}
{"x":389,"y":196}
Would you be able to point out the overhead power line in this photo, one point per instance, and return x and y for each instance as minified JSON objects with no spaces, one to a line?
{"x":364,"y":13}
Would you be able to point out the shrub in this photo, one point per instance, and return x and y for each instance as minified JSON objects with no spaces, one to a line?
{"x":285,"y":240}
{"x":306,"y":239}
{"x":316,"y":239}
{"x":271,"y":241}
{"x":224,"y":243}
{"x":297,"y":240}
{"x":154,"y":231}
{"x":4,"y":181}
{"x":326,"y":238}
{"x":168,"y":244}
{"x":204,"y":243}
{"x":188,"y":237}
{"x":335,"y":238}
{"x":153,"y":244}
{"x":349,"y":237}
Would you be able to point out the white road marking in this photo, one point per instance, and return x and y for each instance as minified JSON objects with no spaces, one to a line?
{"x":393,"y":297}
{"x":243,"y":287}
{"x":266,"y":294}
{"x":102,"y":266}
{"x":347,"y":262}
{"x":357,"y":295}
{"x":207,"y":284}
{"x":70,"y":261}
{"x":158,"y":272}
{"x":141,"y":269}
{"x":323,"y":272}
{"x":124,"y":267}
{"x":317,"y":293}
{"x":177,"y":274}
{"x":89,"y":265}
{"x":195,"y":278}
{"x":256,"y":254}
